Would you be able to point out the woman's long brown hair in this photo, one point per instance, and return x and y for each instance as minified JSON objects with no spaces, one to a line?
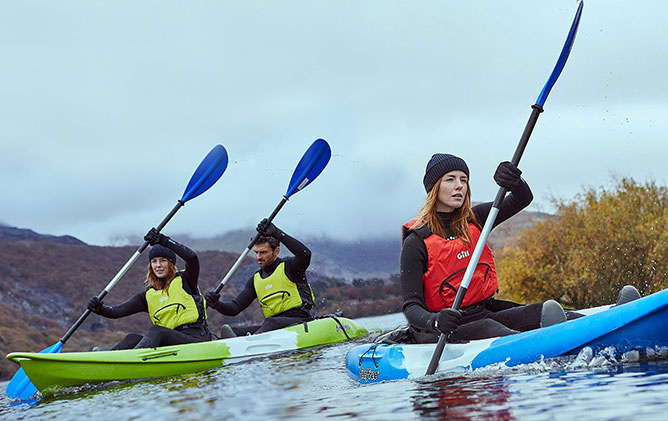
{"x":461,"y":217}
{"x":156,"y":283}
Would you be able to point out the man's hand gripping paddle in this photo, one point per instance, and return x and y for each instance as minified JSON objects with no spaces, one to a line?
{"x":315,"y":160}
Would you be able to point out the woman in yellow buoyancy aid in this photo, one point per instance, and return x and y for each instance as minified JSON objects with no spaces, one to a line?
{"x":172,"y":299}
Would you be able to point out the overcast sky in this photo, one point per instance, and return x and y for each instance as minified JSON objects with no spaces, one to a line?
{"x":107,"y":107}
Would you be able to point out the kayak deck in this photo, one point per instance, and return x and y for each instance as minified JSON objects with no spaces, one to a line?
{"x":638,"y":325}
{"x":51,"y":372}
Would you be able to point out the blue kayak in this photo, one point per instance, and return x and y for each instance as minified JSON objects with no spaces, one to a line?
{"x":640,"y":325}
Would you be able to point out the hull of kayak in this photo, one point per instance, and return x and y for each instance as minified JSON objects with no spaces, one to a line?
{"x":51,"y":372}
{"x":639,"y":325}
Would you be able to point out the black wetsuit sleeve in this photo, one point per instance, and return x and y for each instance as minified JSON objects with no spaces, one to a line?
{"x":239,"y":303}
{"x":190,"y":275}
{"x":136,"y":304}
{"x":518,"y":199}
{"x":295,"y":267}
{"x":413,"y":264}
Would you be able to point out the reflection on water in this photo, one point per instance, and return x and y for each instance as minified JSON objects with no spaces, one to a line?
{"x":314,"y":385}
{"x":463,"y":398}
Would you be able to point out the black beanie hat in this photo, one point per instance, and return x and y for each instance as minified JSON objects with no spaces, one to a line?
{"x":439,"y":165}
{"x":161,"y":251}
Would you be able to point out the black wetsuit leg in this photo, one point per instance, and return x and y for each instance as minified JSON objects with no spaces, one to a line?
{"x":129,"y":342}
{"x":478,"y":329}
{"x":245,"y":330}
{"x":481,"y":329}
{"x":520,"y":318}
{"x":492,"y":319}
{"x":162,"y":336}
{"x":571,"y":315}
{"x":278,"y":322}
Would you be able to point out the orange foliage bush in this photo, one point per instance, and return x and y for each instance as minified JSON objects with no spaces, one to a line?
{"x":596,"y":243}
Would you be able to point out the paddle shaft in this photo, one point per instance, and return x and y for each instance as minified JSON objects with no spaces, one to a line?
{"x":480,"y":245}
{"x":309,"y":167}
{"x":122,"y":272}
{"x":241,"y":258}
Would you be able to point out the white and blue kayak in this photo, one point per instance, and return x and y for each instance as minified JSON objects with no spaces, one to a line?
{"x":640,"y":325}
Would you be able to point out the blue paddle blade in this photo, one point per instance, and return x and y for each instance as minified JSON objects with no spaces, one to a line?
{"x":20,"y":387}
{"x":561,"y":62}
{"x":315,"y":160}
{"x":208,"y":172}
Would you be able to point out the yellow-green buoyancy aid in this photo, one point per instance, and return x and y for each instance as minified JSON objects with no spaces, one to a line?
{"x":172,"y":307}
{"x":277,"y":293}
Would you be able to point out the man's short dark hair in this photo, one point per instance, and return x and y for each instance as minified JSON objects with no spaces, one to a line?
{"x":273,"y":241}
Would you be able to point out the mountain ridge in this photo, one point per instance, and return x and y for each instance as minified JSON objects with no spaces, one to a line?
{"x":376,"y":257}
{"x":9,"y":233}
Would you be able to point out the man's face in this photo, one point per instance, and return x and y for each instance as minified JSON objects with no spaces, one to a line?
{"x":265,"y":255}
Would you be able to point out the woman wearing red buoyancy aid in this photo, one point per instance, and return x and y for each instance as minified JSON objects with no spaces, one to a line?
{"x":436,"y":249}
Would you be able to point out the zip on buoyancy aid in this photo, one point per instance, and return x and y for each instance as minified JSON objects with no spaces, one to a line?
{"x":173,"y":306}
{"x":446,"y":263}
{"x":277,"y":293}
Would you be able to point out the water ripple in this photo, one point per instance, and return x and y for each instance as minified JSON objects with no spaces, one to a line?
{"x":314,"y":385}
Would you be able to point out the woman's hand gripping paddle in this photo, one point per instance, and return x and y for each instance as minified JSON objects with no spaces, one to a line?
{"x":315,"y":160}
{"x":489,"y":223}
{"x":205,"y":176}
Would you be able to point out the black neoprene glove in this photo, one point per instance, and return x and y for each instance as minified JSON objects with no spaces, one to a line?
{"x":94,"y":304}
{"x":211,"y":298}
{"x":507,"y":175}
{"x":447,"y":320}
{"x":154,"y":237}
{"x":268,"y":229}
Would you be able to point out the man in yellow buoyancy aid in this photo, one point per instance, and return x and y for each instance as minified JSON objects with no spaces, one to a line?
{"x":279,"y":285}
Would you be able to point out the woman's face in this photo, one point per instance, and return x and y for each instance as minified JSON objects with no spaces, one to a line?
{"x":160,"y":266}
{"x":452,"y":191}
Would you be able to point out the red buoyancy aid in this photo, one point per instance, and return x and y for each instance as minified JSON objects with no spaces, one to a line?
{"x":446,"y":263}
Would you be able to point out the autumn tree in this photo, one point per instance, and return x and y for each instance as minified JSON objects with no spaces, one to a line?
{"x":595,"y":244}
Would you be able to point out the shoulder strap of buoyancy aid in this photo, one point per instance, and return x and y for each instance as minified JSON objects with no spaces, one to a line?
{"x":422,"y":232}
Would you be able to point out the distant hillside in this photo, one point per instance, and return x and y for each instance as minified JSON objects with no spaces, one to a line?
{"x":333,"y":258}
{"x":364,"y":258}
{"x":512,"y":227}
{"x":8,"y":233}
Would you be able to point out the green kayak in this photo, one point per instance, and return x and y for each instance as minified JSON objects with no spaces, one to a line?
{"x":51,"y":372}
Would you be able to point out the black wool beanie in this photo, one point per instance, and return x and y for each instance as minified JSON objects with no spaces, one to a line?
{"x":439,"y":165}
{"x":161,"y":251}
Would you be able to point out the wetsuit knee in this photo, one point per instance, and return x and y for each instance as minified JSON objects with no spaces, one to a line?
{"x":129,"y":342}
{"x":482,"y":329}
{"x":153,"y":337}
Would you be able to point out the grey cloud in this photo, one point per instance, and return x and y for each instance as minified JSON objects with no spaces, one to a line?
{"x":110,"y":106}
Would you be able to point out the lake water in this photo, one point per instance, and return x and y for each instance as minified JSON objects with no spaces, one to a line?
{"x":312,"y":385}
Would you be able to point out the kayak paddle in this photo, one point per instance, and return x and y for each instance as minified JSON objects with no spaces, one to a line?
{"x":205,"y":176}
{"x":315,"y":160}
{"x":524,"y":139}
